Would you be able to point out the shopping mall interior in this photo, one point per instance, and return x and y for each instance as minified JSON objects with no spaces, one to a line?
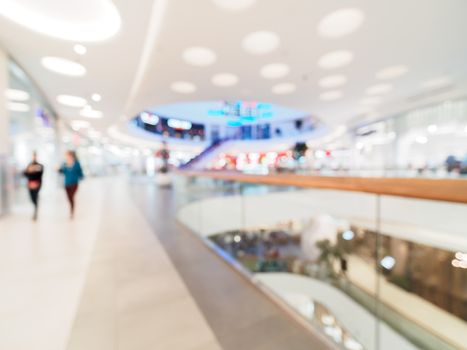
{"x":233,"y":174}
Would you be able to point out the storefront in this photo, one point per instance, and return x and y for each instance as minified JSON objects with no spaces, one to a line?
{"x":420,"y":139}
{"x":29,"y":125}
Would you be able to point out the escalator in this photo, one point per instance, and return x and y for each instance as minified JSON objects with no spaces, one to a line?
{"x":206,"y":156}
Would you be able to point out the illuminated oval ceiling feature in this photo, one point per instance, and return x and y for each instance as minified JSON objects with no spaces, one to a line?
{"x":341,"y":23}
{"x":224,"y":79}
{"x":199,"y":56}
{"x":234,"y":5}
{"x":261,"y":42}
{"x":75,"y":20}
{"x":275,"y":70}
{"x":183,"y":87}
{"x":63,"y":66}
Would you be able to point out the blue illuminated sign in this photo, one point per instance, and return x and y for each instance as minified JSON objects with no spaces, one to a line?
{"x":245,"y":111}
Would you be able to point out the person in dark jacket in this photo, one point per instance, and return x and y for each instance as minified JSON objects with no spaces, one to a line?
{"x":73,"y":174}
{"x":33,"y":173}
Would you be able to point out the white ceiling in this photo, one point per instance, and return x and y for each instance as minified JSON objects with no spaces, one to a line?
{"x":134,"y":70}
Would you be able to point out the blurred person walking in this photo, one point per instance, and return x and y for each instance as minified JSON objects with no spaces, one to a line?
{"x":73,"y":174}
{"x":33,"y":173}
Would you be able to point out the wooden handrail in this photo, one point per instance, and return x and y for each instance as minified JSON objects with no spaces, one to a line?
{"x":448,"y":190}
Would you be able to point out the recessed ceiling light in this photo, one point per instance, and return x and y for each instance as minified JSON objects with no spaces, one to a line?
{"x":183,"y":87}
{"x":71,"y":101}
{"x":63,"y":66}
{"x":90,"y":113}
{"x":224,"y":79}
{"x":336,"y":59}
{"x":340,"y":23}
{"x":17,"y":95}
{"x":275,"y":70}
{"x":332,"y":81}
{"x":436,"y":83}
{"x":283,"y":88}
{"x":79,"y":21}
{"x":392,"y":72}
{"x":261,"y":42}
{"x":371,"y":101}
{"x":199,"y":56}
{"x":379,"y":89}
{"x":17,"y":107}
{"x":330,"y":95}
{"x":80,"y":49}
{"x":96,"y":97}
{"x":234,"y":5}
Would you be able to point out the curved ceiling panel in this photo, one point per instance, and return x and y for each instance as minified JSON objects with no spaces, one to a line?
{"x":77,"y":20}
{"x":413,"y":56}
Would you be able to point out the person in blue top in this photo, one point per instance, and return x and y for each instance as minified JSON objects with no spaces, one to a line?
{"x":73,"y":174}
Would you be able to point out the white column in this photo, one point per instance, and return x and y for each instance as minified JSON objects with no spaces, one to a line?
{"x":4,"y":137}
{"x":4,"y":133}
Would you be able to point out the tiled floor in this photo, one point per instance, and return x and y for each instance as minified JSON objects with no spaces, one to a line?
{"x":100,"y":282}
{"x":125,"y":276}
{"x":239,"y":314}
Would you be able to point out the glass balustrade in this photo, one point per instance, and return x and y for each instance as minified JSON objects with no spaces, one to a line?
{"x":367,"y":271}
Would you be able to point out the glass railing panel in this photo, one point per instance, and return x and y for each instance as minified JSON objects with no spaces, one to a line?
{"x":297,"y":242}
{"x":202,"y":205}
{"x":423,"y":271}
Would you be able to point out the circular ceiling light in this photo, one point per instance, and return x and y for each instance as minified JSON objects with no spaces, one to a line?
{"x":199,"y":56}
{"x":436,"y":83}
{"x":96,"y":97}
{"x":330,"y":95}
{"x":234,"y":5}
{"x":90,"y":113}
{"x":224,"y":79}
{"x":371,"y":101}
{"x":340,"y":23}
{"x":336,"y":59}
{"x":392,"y":72}
{"x":82,"y":21}
{"x":71,"y":101}
{"x":283,"y":88}
{"x":17,"y":107}
{"x":261,"y":42}
{"x":332,"y":81}
{"x":275,"y":70}
{"x":183,"y":87}
{"x":379,"y":89}
{"x":63,"y":66}
{"x":17,"y":95}
{"x":80,"y":49}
